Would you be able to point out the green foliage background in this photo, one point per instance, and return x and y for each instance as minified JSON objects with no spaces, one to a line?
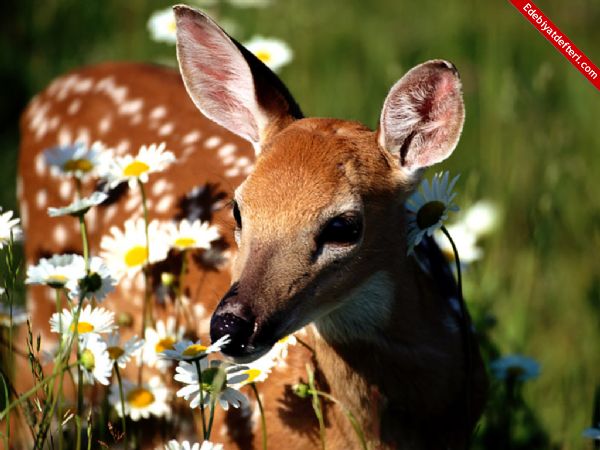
{"x":531,"y":143}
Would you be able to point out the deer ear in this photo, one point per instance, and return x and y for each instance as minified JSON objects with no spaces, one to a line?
{"x":228,"y":83}
{"x":423,"y":115}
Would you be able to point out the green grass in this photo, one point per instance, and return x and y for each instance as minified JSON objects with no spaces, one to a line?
{"x":531,"y":141}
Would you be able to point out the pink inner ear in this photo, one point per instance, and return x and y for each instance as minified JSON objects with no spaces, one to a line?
{"x":216,"y":75}
{"x":423,"y":115}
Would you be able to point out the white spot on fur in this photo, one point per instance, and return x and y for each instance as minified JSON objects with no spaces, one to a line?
{"x":165,"y":203}
{"x":159,"y":187}
{"x":136,"y":119}
{"x":212,"y":142}
{"x":131,"y":107}
{"x":59,"y":234}
{"x":132,"y":203}
{"x":166,"y":129}
{"x":364,"y":313}
{"x":139,"y":282}
{"x":74,"y":107}
{"x":65,"y":189}
{"x":24,"y":209}
{"x":109,"y":213}
{"x":226,"y":150}
{"x":40,"y":165}
{"x":158,"y":113}
{"x":83,"y":136}
{"x":64,"y":136}
{"x":105,"y":124}
{"x":228,"y":160}
{"x":191,"y":138}
{"x":248,"y":170}
{"x":242,"y":162}
{"x":233,"y":172}
{"x":123,"y":147}
{"x":41,"y":198}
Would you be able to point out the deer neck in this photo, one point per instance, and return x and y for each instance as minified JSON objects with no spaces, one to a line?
{"x":376,"y":361}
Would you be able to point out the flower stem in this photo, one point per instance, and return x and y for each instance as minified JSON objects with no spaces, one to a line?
{"x":465,"y":332}
{"x":316,"y":404}
{"x":201,"y":394}
{"x":61,"y":373}
{"x":179,"y":298}
{"x":146,"y":306}
{"x":123,"y":418}
{"x":84,"y":238}
{"x":263,"y":421}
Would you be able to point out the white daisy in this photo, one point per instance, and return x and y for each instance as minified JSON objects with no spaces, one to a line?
{"x":8,"y":227}
{"x":216,"y":379}
{"x":481,"y":218}
{"x":187,"y":350}
{"x":428,"y":208}
{"x":592,"y":433}
{"x":129,"y":168}
{"x":95,"y":360}
{"x":259,"y":370}
{"x":122,"y":353}
{"x":97,"y":283}
{"x":141,"y":401}
{"x":185,"y":445}
{"x":159,"y":339}
{"x":74,"y":159}
{"x":517,"y":367}
{"x":91,"y":321}
{"x":56,"y":271}
{"x":79,"y":206}
{"x":188,"y":234}
{"x":162,"y":26}
{"x":465,"y":241}
{"x":280,"y":349}
{"x":126,"y":252}
{"x":19,"y":315}
{"x":274,"y":53}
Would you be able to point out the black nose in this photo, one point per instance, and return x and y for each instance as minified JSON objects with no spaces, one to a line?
{"x":236,"y":319}
{"x":238,"y":328}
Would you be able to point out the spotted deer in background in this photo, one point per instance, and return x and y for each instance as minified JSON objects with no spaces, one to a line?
{"x":315,"y":237}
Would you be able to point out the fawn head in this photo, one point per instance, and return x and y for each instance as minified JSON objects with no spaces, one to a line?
{"x":324,"y":206}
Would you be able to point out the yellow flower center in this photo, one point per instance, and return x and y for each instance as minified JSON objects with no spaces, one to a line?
{"x":172,"y":27}
{"x":263,"y":55}
{"x":136,"y":256}
{"x":135,"y":169}
{"x":184,"y":242}
{"x":253,"y":374}
{"x":82,"y":327}
{"x":194,"y":349}
{"x":283,"y":340}
{"x":56,"y":280}
{"x":73,"y":165}
{"x":430,"y":213}
{"x":164,"y":344}
{"x":115,"y":352}
{"x":140,"y":397}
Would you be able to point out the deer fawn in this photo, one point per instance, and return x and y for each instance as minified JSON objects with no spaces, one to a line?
{"x":319,"y":228}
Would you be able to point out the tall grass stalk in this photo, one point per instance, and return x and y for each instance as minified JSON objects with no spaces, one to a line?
{"x":316,"y":404}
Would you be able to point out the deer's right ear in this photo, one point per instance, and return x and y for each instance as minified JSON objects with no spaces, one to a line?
{"x":228,"y":83}
{"x":423,"y":115}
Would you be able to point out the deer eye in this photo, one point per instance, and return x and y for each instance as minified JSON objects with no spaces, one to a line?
{"x":237,"y":215}
{"x":345,"y":229}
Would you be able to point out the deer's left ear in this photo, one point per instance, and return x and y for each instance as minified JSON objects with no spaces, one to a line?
{"x":228,"y":83}
{"x":423,"y":115}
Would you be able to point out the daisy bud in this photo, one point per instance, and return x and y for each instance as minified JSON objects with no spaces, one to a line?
{"x":301,"y":390}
